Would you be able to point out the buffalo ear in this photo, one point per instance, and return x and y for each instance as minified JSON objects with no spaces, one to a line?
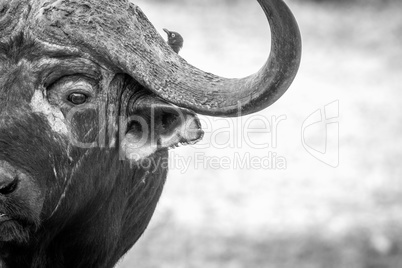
{"x":155,"y":125}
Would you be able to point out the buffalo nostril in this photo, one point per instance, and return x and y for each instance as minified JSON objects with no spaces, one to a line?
{"x":7,"y":185}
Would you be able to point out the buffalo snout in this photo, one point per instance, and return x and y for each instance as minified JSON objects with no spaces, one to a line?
{"x":21,"y":202}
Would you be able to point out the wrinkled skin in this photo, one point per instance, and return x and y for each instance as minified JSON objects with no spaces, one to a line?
{"x":39,"y":131}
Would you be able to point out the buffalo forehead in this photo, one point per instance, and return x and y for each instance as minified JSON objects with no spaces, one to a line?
{"x":84,"y":25}
{"x":88,"y":28}
{"x":13,"y":17}
{"x":43,"y":63}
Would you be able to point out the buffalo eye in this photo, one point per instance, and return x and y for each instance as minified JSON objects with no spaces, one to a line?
{"x":77,"y":98}
{"x":173,"y":35}
{"x":8,"y":189}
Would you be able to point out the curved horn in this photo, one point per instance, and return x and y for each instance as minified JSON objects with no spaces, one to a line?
{"x":120,"y":31}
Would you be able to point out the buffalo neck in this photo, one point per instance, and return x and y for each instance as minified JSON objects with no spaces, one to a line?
{"x":107,"y":219}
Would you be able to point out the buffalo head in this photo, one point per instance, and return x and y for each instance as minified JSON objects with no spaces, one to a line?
{"x":88,"y":89}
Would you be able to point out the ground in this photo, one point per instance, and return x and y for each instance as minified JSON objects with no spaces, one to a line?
{"x":277,"y":196}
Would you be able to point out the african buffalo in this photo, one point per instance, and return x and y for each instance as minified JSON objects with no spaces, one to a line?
{"x":89,"y":89}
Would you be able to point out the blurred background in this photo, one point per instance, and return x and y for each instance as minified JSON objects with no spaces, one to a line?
{"x":313,"y":181}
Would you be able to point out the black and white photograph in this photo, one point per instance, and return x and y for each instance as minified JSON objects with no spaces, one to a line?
{"x":200,"y":134}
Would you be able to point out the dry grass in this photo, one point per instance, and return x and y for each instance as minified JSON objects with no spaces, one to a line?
{"x":310,"y":214}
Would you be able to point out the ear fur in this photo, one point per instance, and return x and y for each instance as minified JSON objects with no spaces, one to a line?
{"x":154,"y":124}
